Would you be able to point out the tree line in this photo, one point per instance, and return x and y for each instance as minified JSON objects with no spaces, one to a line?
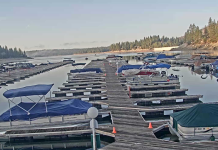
{"x":194,"y":35}
{"x":6,"y":52}
{"x":147,"y":43}
{"x":208,"y":34}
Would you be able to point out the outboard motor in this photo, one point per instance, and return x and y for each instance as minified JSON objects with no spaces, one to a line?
{"x":207,"y":68}
{"x":163,"y":73}
{"x":193,"y":67}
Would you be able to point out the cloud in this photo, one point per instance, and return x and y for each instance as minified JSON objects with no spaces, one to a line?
{"x":72,"y":43}
{"x":39,"y":46}
{"x":83,"y":43}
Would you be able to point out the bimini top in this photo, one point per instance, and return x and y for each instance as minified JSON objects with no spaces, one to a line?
{"x":161,"y":65}
{"x":127,"y":67}
{"x":201,"y":115}
{"x":163,"y":56}
{"x":68,"y":107}
{"x":215,"y":63}
{"x":96,"y":70}
{"x":39,"y":89}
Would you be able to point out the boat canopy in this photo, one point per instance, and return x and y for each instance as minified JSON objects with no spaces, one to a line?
{"x":201,"y":115}
{"x":163,"y":56}
{"x":40,"y":89}
{"x":161,"y":65}
{"x":127,"y":67}
{"x":215,"y":63}
{"x":58,"y":108}
{"x":97,"y":70}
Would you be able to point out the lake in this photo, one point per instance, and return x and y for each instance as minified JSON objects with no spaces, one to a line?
{"x":190,"y":80}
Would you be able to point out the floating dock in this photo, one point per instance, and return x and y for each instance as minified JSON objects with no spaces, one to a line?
{"x":20,"y":74}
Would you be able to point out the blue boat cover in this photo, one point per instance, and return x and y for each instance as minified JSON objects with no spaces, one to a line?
{"x":58,"y":108}
{"x":215,"y":63}
{"x":161,"y":65}
{"x":97,"y":70}
{"x":39,"y":89}
{"x":127,"y":67}
{"x":163,"y":56}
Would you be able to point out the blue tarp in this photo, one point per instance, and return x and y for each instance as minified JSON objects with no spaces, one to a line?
{"x":163,"y":56}
{"x":215,"y":63}
{"x":159,"y":66}
{"x":58,"y":108}
{"x":40,"y":89}
{"x":127,"y":67}
{"x":97,"y":70}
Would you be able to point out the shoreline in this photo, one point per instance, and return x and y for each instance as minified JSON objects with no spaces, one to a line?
{"x":108,"y":52}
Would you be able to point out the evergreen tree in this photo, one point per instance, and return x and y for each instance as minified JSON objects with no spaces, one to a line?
{"x":10,"y":53}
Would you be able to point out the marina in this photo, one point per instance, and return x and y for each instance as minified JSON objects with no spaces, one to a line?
{"x":96,"y":75}
{"x":130,"y":107}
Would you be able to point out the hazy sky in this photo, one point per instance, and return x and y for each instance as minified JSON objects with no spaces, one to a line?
{"x":48,"y":24}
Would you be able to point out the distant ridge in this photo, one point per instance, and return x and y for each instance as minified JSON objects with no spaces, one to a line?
{"x":58,"y":52}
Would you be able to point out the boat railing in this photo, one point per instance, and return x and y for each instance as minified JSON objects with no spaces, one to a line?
{"x":45,"y":120}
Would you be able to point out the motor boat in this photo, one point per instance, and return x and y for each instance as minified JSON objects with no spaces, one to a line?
{"x":132,"y":72}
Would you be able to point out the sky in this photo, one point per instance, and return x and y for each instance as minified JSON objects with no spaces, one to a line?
{"x":64,"y":24}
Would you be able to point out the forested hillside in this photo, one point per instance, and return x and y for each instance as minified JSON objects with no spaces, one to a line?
{"x":195,"y":37}
{"x":147,"y":43}
{"x":209,"y":34}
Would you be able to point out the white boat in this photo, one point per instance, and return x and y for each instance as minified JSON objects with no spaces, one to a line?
{"x":41,"y":115}
{"x":132,"y":72}
{"x":152,"y":79}
{"x":176,"y":69}
{"x":68,"y":60}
